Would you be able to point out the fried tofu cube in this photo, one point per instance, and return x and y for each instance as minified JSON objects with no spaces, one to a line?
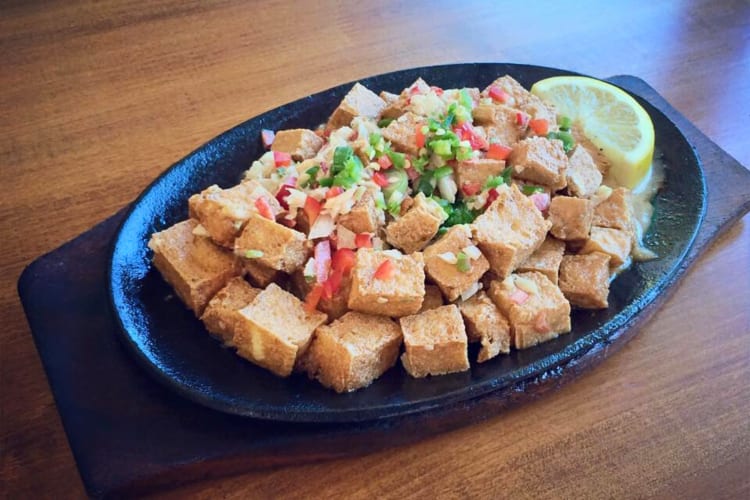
{"x":364,"y":217}
{"x":435,"y":342}
{"x":401,"y":132}
{"x":571,"y":217}
{"x":516,"y":95}
{"x":353,"y":351}
{"x":224,"y":212}
{"x":613,"y":242}
{"x":584,"y":280}
{"x":583,"y":176}
{"x":360,"y":101}
{"x":275,"y":330}
{"x":300,"y":143}
{"x":413,"y":230}
{"x":335,"y":306}
{"x":540,"y":110}
{"x":222,"y":312}
{"x":546,"y":259}
{"x":616,"y":211}
{"x":272,"y":244}
{"x":485,"y":324}
{"x":398,"y":294}
{"x":540,"y":160}
{"x":509,"y":231}
{"x":500,"y":123}
{"x":476,"y":172}
{"x":195,"y":266}
{"x":258,"y":274}
{"x":535,"y":307}
{"x":433,"y":298}
{"x":442,"y":266}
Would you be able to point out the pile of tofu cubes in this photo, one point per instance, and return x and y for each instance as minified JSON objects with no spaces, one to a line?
{"x":242,"y":260}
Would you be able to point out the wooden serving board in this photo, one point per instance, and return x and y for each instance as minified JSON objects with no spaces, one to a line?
{"x":129,"y":434}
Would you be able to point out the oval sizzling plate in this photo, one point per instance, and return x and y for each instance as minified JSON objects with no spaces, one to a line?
{"x":173,"y":346}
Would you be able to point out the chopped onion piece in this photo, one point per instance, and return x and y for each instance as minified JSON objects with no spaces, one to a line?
{"x":472,"y":252}
{"x":322,"y":228}
{"x":473,"y":289}
{"x":448,"y":257}
{"x":527,"y":285}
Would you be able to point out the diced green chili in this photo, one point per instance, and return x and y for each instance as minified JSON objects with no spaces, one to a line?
{"x":528,"y":189}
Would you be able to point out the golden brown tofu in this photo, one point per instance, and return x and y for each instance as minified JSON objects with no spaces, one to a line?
{"x":413,"y":230}
{"x":613,"y":242}
{"x":275,"y":330}
{"x":401,"y":133}
{"x":300,"y":143}
{"x":500,"y":123}
{"x":442,"y":265}
{"x":517,"y":96}
{"x":258,"y":274}
{"x":571,"y":217}
{"x":195,"y":266}
{"x":224,"y":212}
{"x":485,"y":324}
{"x":584,"y":280}
{"x":398,"y":293}
{"x":272,"y":244}
{"x":435,"y":342}
{"x":546,"y":259}
{"x":432,"y":298}
{"x":353,"y":351}
{"x":222,"y":312}
{"x":616,"y":211}
{"x":583,"y":176}
{"x":535,"y":307}
{"x":360,"y":101}
{"x":476,"y":172}
{"x":364,"y":217}
{"x":509,"y":231}
{"x":540,"y":110}
{"x":335,"y":306}
{"x":540,"y":160}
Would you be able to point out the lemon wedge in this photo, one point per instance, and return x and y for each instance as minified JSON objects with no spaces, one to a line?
{"x":611,"y":119}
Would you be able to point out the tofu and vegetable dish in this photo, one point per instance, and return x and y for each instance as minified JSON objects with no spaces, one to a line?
{"x":404,"y":228}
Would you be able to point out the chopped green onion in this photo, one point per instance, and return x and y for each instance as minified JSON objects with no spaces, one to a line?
{"x":566,"y":137}
{"x":529,"y":189}
{"x":460,"y":214}
{"x":464,"y":153}
{"x":326,"y":182}
{"x":565,"y":123}
{"x":499,"y":180}
{"x":444,"y":204}
{"x":442,"y":172}
{"x":253,"y":254}
{"x":425,"y":184}
{"x":340,"y":155}
{"x":420,"y":163}
{"x":398,"y":159}
{"x":465,"y":99}
{"x":384,"y":122}
{"x":312,"y":173}
{"x":463,"y":264}
{"x":397,"y":181}
{"x":442,"y":147}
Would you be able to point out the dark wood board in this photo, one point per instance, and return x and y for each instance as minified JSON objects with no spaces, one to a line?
{"x":129,"y":434}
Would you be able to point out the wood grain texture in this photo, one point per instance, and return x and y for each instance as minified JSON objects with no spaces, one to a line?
{"x":99,"y":98}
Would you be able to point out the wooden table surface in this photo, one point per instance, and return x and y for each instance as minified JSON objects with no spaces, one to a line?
{"x":97,"y":98}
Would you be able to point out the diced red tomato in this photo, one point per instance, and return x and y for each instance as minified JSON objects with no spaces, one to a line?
{"x":498,"y":152}
{"x":312,"y":299}
{"x":334,"y":191}
{"x":437,"y":90}
{"x":412,"y":173}
{"x":332,"y":285}
{"x":363,"y":240}
{"x":497,"y":94}
{"x":492,"y":195}
{"x":419,"y":136}
{"x":267,"y":137}
{"x":281,"y":159}
{"x":312,"y":209}
{"x":322,"y":260}
{"x":541,"y":200}
{"x":467,"y":133}
{"x":380,"y":179}
{"x":540,"y":126}
{"x":414,"y":89}
{"x":522,"y":119}
{"x":385,"y":271}
{"x":471,"y":188}
{"x":385,"y":162}
{"x":282,"y":194}
{"x":518,"y":296}
{"x":264,"y":209}
{"x":343,"y":260}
